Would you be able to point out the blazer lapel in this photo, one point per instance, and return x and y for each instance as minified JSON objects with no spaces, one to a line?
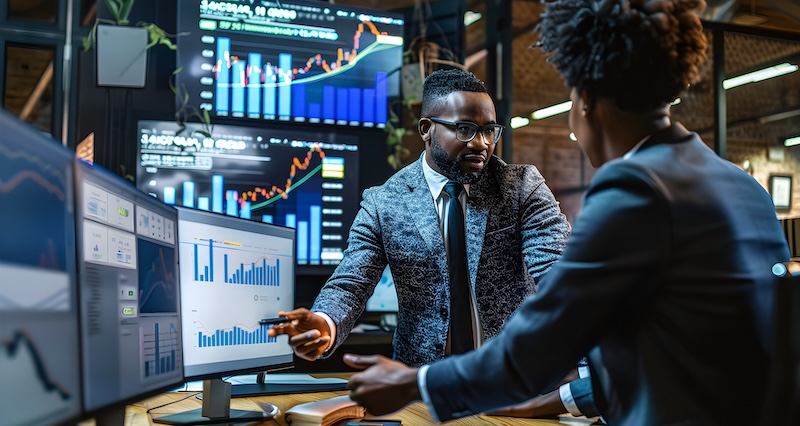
{"x":479,"y":203}
{"x":419,"y":202}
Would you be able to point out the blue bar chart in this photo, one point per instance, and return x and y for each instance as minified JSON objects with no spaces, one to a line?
{"x":238,"y":335}
{"x":160,"y":351}
{"x":262,"y":271}
{"x":290,"y":179}
{"x":271,"y":84}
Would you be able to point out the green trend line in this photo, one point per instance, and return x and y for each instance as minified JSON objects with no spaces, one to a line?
{"x":372,"y":48}
{"x":295,"y":185}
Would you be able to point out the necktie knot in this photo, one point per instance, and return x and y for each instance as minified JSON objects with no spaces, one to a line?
{"x":453,"y":189}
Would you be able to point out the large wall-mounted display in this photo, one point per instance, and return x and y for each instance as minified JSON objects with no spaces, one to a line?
{"x":292,"y":61}
{"x":301,"y":179}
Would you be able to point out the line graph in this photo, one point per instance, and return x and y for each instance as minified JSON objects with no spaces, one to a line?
{"x":304,"y":180}
{"x":42,"y":388}
{"x":332,"y":65}
{"x":21,"y":349}
{"x":35,"y":189}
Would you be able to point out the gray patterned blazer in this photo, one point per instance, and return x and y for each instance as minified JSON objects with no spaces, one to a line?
{"x":515,"y":231}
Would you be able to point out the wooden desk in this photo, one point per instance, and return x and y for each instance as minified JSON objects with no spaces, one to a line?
{"x":413,"y":415}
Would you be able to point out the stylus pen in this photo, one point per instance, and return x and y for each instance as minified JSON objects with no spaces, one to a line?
{"x":273,"y":321}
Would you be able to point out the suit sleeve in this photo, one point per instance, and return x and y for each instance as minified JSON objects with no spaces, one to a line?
{"x":610,"y":266}
{"x":344,"y":296}
{"x":544,"y":228}
{"x":583,"y":396}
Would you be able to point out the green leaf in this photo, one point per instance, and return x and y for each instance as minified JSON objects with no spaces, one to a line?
{"x":113,"y":7}
{"x":125,"y":9}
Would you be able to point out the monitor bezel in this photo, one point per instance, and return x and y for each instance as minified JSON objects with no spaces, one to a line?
{"x":111,"y":179}
{"x":194,"y":215}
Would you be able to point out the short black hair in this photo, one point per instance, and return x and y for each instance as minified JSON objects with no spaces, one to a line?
{"x":441,"y":83}
{"x":639,"y":53}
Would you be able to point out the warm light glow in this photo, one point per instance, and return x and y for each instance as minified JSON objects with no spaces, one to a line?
{"x":792,"y":141}
{"x":774,"y":71}
{"x":760,"y":75}
{"x":517,"y":122}
{"x":471,"y":17}
{"x":572,"y":137}
{"x":551,"y":110}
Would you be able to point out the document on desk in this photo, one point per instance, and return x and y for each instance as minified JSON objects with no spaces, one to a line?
{"x":283,"y":378}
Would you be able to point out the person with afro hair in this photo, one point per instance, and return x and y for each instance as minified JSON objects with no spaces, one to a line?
{"x":662,"y":282}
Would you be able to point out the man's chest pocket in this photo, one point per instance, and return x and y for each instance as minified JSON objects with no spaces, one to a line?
{"x":505,"y":238}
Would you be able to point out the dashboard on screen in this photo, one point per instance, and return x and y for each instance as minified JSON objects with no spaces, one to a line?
{"x":129,"y":292}
{"x":292,"y":61}
{"x":300,"y":179}
{"x":233,"y":273}
{"x":39,"y":345}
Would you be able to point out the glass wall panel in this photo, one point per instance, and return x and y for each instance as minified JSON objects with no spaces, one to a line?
{"x":29,"y":84}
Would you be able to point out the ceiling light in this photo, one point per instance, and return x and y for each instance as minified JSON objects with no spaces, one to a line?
{"x":769,"y":72}
{"x":471,"y":17}
{"x":792,"y":141}
{"x":551,"y":110}
{"x":517,"y":122}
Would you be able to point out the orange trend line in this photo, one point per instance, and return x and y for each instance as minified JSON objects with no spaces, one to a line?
{"x":275,"y":190}
{"x":30,"y":174}
{"x":315,"y":60}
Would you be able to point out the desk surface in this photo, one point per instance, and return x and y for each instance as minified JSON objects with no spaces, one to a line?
{"x":413,"y":415}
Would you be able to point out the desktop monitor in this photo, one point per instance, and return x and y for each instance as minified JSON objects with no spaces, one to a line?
{"x":301,"y":179}
{"x":129,"y":292}
{"x":293,"y":61}
{"x":234,"y":272}
{"x":39,"y":350}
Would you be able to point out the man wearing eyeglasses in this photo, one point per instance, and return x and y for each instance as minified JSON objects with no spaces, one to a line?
{"x":512,"y":231}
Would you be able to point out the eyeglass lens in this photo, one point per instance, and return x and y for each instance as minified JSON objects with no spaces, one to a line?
{"x":466,"y":131}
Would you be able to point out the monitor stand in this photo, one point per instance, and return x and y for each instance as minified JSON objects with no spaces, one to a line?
{"x":216,"y":408}
{"x":110,"y":416}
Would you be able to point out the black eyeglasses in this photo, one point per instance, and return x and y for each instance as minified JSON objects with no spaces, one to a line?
{"x":467,"y":130}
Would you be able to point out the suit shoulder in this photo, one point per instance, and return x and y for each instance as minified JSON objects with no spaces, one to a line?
{"x":396,"y":182}
{"x":504,"y":172}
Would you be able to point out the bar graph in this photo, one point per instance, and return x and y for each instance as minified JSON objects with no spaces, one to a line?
{"x":237,"y":335}
{"x":303,"y":180}
{"x":314,"y":97}
{"x":324,"y":66}
{"x":160,"y":350}
{"x":262,"y":271}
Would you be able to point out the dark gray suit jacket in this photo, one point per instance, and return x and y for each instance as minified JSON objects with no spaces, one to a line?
{"x":658,"y":284}
{"x":515,"y":231}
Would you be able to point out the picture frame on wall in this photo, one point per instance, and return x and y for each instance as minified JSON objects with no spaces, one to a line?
{"x":780,"y":187}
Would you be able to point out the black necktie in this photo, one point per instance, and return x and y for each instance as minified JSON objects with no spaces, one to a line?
{"x":460,"y":318}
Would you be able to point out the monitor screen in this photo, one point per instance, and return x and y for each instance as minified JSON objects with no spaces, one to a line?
{"x":300,"y":179}
{"x":129,"y":293}
{"x":384,"y":297}
{"x":234,"y":272}
{"x":39,"y":351}
{"x":293,"y":61}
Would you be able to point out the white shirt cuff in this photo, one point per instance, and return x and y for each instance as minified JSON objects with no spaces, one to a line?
{"x":332,"y":326}
{"x":569,"y":402}
{"x":423,"y":391}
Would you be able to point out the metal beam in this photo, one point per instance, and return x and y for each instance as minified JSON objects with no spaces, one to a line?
{"x":499,"y":73}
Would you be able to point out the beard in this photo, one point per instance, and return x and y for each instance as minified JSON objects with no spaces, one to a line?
{"x":449,"y":167}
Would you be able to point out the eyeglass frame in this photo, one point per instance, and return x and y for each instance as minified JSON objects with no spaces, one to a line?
{"x":478,"y":129}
